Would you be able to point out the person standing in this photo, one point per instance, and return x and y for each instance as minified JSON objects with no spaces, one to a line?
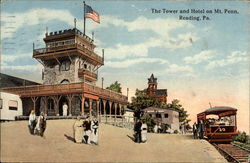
{"x":32,"y":121}
{"x":65,"y":109}
{"x":94,"y":131}
{"x":201,"y":129}
{"x":137,"y":130}
{"x":183,"y":128}
{"x":87,"y":131}
{"x":41,"y":125}
{"x":144,"y":130}
{"x":195,"y":130}
{"x":156,"y":128}
{"x":78,"y":130}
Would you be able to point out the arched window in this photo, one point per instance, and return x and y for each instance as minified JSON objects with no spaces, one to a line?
{"x":85,"y":66}
{"x":65,"y":81}
{"x":65,"y":66}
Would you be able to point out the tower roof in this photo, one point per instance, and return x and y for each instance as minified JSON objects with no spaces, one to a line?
{"x":152,"y":79}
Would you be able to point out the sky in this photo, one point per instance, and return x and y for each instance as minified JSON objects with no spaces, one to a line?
{"x":199,"y":62}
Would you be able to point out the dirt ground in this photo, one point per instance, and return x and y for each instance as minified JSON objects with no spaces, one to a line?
{"x":17,"y":145}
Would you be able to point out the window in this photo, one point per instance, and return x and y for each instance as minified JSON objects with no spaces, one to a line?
{"x":1,"y":103}
{"x":158,"y":115}
{"x":12,"y":105}
{"x":166,"y":115}
{"x":85,"y":66}
{"x":65,"y":66}
{"x":65,"y":81}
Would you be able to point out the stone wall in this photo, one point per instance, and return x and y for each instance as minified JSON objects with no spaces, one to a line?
{"x":53,"y":74}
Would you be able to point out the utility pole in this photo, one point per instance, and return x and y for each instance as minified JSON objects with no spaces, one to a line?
{"x":74,"y":22}
{"x":127,"y":92}
{"x":210,"y":105}
{"x":84,"y":19}
{"x":102,"y":82}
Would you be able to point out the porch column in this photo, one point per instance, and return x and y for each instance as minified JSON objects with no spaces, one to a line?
{"x":110,"y":108}
{"x":115,"y":111}
{"x":46,"y":105}
{"x":56,"y":102}
{"x":90,"y":107}
{"x":70,"y":98}
{"x":34,"y":99}
{"x":97,"y":108}
{"x":120,"y":109}
{"x":83,"y":100}
{"x":104,"y":107}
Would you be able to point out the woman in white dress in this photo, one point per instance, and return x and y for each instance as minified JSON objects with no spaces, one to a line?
{"x":32,"y":121}
{"x":94,"y":131}
{"x":78,"y":130}
{"x":144,"y":130}
{"x":65,"y":109}
{"x":41,"y":125}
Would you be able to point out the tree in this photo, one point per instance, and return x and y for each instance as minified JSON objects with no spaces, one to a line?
{"x":182,"y":112}
{"x":116,"y":87}
{"x":142,"y":101}
{"x":149,"y":121}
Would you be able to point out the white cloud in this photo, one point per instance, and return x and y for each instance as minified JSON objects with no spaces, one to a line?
{"x":31,"y":17}
{"x":234,"y":57}
{"x":162,"y":27}
{"x":11,"y":58}
{"x":130,"y":62}
{"x":173,"y":68}
{"x":123,"y":51}
{"x":200,"y":57}
{"x":31,"y":68}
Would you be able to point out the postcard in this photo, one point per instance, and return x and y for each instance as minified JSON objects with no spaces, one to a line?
{"x":124,"y":81}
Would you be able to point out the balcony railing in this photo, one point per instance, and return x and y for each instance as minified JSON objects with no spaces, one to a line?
{"x":89,"y":75}
{"x":39,"y":52}
{"x":59,"y":89}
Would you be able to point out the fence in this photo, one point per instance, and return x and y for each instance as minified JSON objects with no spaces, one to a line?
{"x":115,"y":120}
{"x":118,"y":120}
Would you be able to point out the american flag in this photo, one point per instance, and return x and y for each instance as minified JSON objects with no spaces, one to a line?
{"x":90,"y":13}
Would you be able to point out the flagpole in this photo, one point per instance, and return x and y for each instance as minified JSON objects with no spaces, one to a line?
{"x":84,"y":19}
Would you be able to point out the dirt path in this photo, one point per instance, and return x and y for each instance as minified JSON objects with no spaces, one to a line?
{"x":115,"y":146}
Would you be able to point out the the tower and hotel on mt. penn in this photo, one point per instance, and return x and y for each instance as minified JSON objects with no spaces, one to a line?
{"x":69,"y":75}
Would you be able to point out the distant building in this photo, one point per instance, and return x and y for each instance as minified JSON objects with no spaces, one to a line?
{"x":12,"y":81}
{"x":152,"y":91}
{"x":165,"y":116}
{"x":129,"y":115}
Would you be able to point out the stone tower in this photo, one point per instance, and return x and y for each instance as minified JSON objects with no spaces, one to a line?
{"x":69,"y":57}
{"x":152,"y":85}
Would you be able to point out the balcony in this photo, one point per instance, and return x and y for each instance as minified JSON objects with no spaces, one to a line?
{"x":65,"y":50}
{"x":60,"y":89}
{"x":87,"y":75}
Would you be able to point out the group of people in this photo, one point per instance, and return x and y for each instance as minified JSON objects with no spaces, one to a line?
{"x":140,"y":131}
{"x":198,"y":130}
{"x":86,"y":131}
{"x":37,"y":125}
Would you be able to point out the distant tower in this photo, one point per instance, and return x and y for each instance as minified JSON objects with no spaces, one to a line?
{"x":152,"y":85}
{"x":68,"y":58}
